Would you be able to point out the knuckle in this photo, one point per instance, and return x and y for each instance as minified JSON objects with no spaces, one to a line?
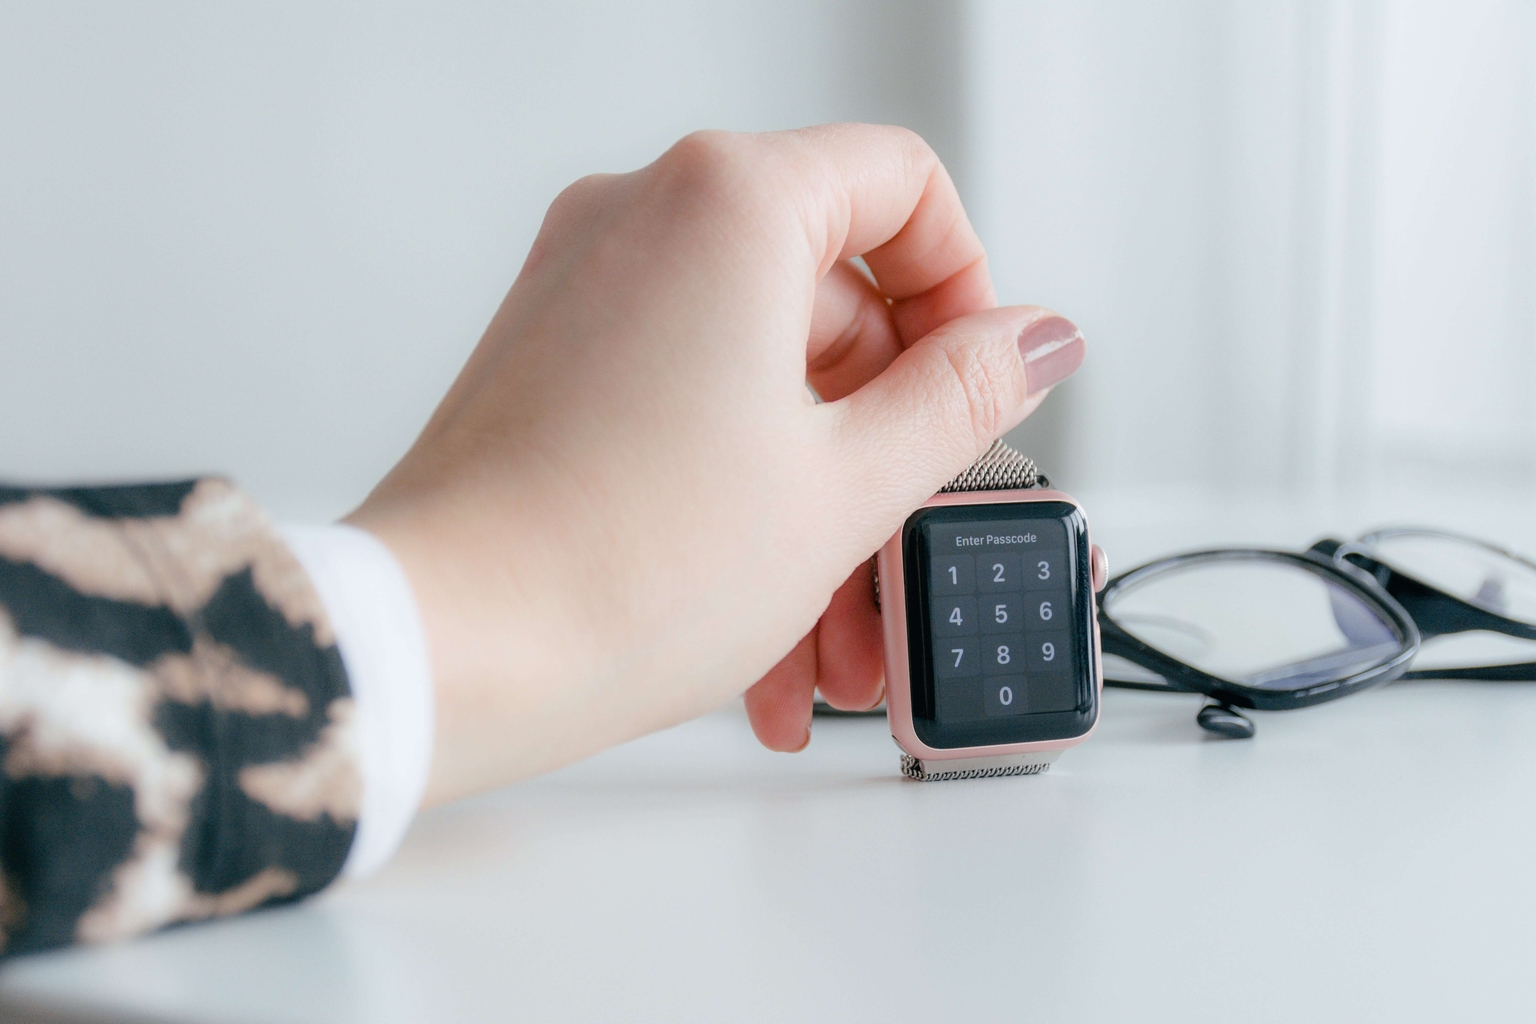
{"x":709,"y":166}
{"x":577,"y":205}
{"x":583,"y":188}
{"x":916,"y":146}
{"x":703,"y":148}
{"x":917,"y":157}
{"x":982,"y":387}
{"x":579,"y":202}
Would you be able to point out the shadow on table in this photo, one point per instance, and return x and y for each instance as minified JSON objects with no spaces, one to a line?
{"x":26,"y":1011}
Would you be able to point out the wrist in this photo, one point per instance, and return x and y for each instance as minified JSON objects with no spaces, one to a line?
{"x":378,"y":633}
{"x":511,"y":677}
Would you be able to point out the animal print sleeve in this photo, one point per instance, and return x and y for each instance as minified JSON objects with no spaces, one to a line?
{"x":175,"y":720}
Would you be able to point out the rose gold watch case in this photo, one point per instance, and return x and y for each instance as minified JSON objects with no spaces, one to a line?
{"x":893,"y":613}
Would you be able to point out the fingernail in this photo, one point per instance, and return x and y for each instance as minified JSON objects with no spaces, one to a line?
{"x":1053,"y":349}
{"x":806,"y":743}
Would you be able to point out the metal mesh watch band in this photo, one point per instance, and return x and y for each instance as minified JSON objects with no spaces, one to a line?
{"x":1000,"y":468}
{"x":976,"y":767}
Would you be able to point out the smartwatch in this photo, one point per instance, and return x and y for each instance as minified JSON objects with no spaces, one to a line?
{"x":987,"y":599}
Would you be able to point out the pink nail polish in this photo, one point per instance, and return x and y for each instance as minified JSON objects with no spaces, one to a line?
{"x":1053,"y":349}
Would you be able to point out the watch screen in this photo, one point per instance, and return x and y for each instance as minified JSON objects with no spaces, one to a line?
{"x":1000,"y":624}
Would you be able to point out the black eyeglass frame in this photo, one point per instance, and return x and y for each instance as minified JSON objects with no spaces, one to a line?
{"x":1435,"y":612}
{"x":1182,"y":677}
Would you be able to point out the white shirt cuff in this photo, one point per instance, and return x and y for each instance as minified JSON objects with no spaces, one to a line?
{"x":384,"y":649}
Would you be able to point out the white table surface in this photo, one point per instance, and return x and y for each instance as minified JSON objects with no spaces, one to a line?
{"x":1370,"y":859}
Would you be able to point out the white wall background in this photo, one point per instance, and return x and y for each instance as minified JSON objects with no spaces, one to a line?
{"x":260,"y":238}
{"x":1299,"y":236}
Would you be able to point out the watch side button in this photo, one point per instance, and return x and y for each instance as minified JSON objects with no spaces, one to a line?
{"x":1100,"y":562}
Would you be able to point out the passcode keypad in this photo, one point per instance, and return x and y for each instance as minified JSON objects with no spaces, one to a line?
{"x":1001,"y":618}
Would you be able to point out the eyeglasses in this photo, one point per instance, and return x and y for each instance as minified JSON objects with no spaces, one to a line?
{"x":1273,"y":630}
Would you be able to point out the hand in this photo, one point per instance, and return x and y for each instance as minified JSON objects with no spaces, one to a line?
{"x":629,"y":508}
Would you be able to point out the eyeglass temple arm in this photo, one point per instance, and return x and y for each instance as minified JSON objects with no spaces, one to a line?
{"x":1435,"y":612}
{"x":1518,"y":672}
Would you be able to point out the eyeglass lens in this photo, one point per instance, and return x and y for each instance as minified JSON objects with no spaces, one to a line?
{"x":1257,"y":621}
{"x":1478,"y":574}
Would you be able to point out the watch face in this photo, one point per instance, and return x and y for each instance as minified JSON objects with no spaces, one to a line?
{"x":999,"y":623}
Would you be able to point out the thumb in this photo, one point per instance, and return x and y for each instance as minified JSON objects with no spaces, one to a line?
{"x":938,"y":406}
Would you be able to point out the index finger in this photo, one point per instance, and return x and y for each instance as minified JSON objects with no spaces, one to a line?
{"x":881,"y":193}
